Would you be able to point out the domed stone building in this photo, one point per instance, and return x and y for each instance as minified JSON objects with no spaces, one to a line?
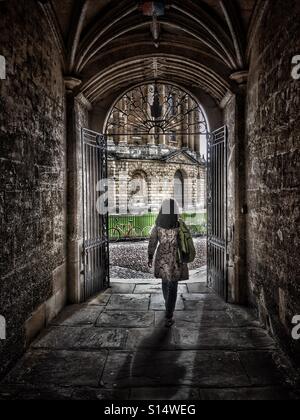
{"x":157,"y":144}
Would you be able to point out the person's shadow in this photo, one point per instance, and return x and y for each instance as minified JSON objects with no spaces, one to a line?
{"x":155,"y":364}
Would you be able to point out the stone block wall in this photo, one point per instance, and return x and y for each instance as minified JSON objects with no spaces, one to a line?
{"x":159,"y":179}
{"x":78,"y":118}
{"x":32,"y":177}
{"x":273,"y":171}
{"x":230,"y":121}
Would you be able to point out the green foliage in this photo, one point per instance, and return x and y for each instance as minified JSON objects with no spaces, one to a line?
{"x":134,"y":226}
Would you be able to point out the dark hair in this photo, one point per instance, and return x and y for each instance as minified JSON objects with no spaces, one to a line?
{"x":169,"y":215}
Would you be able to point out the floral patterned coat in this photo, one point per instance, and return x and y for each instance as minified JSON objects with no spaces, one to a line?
{"x":166,"y":266}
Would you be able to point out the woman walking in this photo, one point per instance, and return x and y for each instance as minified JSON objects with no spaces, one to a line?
{"x":167,"y":262}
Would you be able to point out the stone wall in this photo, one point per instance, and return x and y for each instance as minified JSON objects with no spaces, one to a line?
{"x":234,"y":117}
{"x":77,"y":118}
{"x":158,"y":178}
{"x":273,"y":171}
{"x":32,"y":177}
{"x":230,"y":121}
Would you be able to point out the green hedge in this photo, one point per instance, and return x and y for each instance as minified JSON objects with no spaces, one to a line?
{"x":133,"y":226}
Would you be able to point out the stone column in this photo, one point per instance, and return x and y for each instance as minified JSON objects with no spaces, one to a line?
{"x":124,"y":131}
{"x":191,"y":116}
{"x":237,"y":206}
{"x":198,"y":137}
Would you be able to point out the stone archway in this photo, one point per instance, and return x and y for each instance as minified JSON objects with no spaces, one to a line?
{"x":103,"y":84}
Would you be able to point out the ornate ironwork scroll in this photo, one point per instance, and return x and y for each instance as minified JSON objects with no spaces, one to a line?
{"x":157,"y":109}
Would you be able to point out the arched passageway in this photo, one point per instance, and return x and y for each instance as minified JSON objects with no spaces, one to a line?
{"x":155,"y":131}
{"x":170,"y":124}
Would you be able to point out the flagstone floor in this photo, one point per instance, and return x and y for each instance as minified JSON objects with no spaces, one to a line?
{"x":116,"y":347}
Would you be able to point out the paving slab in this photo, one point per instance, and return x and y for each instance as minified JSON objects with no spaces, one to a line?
{"x":174,"y":368}
{"x":202,"y":270}
{"x":262,"y":367}
{"x":203,"y":297}
{"x":158,"y":303}
{"x":135,"y":281}
{"x":295,"y":394}
{"x":99,"y":300}
{"x":158,"y":338}
{"x":165,"y":394}
{"x":65,"y":368}
{"x":222,"y":338}
{"x":124,"y":319}
{"x":199,"y":288}
{"x":246,"y":394}
{"x":195,"y":320}
{"x":242,"y":317}
{"x":157,"y":288}
{"x":130,"y":302}
{"x":203,"y":302}
{"x":90,"y":338}
{"x":78,"y":315}
{"x":92,"y":394}
{"x":121,"y":288}
{"x":34,"y":393}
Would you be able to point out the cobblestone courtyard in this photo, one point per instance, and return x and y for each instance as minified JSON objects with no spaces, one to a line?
{"x":130,"y":259}
{"x":116,"y":347}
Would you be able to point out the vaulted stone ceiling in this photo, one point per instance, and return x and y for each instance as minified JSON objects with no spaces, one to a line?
{"x":110,"y":46}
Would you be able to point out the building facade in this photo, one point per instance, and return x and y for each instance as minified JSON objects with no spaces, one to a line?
{"x":156,"y":146}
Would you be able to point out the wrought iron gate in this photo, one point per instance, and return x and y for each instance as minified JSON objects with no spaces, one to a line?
{"x":217,"y":211}
{"x":95,"y":225}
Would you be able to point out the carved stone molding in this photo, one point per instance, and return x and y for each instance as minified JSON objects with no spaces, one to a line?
{"x":84,"y":101}
{"x":262,"y":6}
{"x":226,"y":99}
{"x":47,"y":8}
{"x":72,"y":83}
{"x":240,"y":77}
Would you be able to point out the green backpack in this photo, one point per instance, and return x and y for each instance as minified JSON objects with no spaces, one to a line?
{"x":186,"y":248}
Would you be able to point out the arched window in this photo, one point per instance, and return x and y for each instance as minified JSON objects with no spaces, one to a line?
{"x":179,"y":189}
{"x":160,"y":109}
